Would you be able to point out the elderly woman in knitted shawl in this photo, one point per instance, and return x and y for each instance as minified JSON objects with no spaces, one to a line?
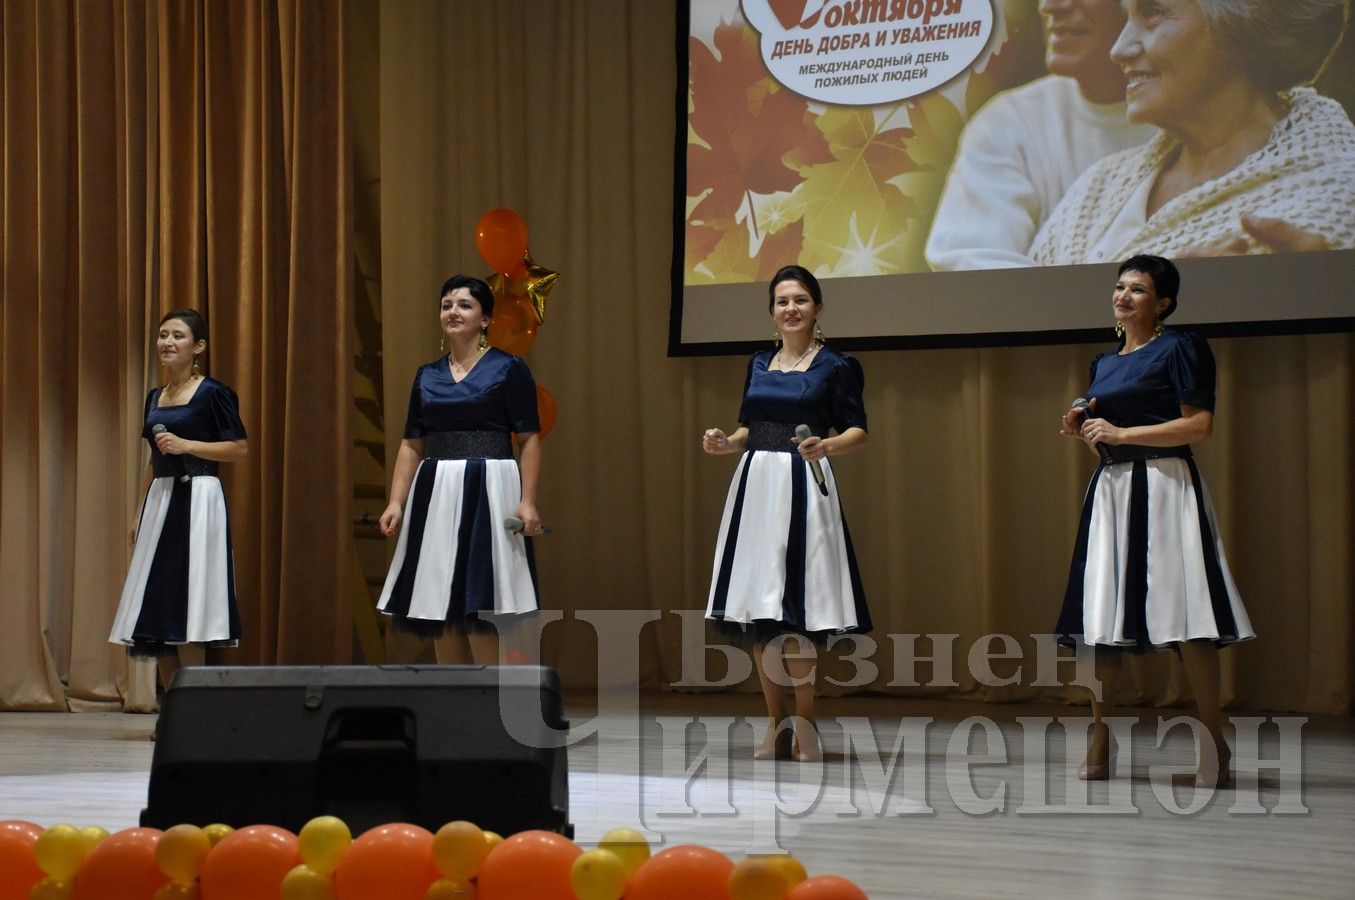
{"x":1247,"y":162}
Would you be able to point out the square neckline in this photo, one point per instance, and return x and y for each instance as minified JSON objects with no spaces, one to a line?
{"x":160,"y":392}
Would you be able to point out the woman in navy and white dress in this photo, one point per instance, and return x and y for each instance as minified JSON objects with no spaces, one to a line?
{"x":179,"y":595}
{"x":785,"y":578}
{"x":1148,"y":569}
{"x":458,"y":573}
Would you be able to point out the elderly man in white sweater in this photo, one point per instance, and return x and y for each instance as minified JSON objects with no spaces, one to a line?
{"x":1027,"y":146}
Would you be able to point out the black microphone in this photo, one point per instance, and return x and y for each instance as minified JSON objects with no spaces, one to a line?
{"x":516,"y":525}
{"x":802,"y":432}
{"x":174,"y":461}
{"x":1085,"y":405}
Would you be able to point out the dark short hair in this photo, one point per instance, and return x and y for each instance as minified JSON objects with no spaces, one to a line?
{"x":1281,"y":45}
{"x":192,"y":318}
{"x":197,"y":326}
{"x":478,"y":289}
{"x":795,"y":273}
{"x":1166,"y":279}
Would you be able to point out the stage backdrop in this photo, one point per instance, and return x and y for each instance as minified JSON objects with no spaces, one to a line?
{"x":963,"y":505}
{"x":917,"y":158}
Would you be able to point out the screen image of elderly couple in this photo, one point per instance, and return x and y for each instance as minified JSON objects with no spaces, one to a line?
{"x":1080,"y":131}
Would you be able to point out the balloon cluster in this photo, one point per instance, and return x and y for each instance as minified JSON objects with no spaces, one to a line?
{"x":520,"y":290}
{"x":389,"y":862}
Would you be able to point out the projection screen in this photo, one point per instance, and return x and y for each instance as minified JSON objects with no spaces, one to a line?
{"x":968,"y":172}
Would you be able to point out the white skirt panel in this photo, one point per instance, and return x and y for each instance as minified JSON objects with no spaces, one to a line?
{"x":1167,"y":585}
{"x":441,"y":523}
{"x":201,"y":609}
{"x":754,"y":586}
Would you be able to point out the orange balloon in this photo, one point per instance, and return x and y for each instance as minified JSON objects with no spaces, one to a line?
{"x":501,"y":238}
{"x":825,"y":887}
{"x":122,"y":865}
{"x":680,"y":873}
{"x":249,"y":863}
{"x":545,"y":409}
{"x":530,"y":864}
{"x":19,"y":869}
{"x":389,"y":862}
{"x":513,"y":327}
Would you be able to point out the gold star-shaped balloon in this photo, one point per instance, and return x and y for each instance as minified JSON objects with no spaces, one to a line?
{"x":539,"y":281}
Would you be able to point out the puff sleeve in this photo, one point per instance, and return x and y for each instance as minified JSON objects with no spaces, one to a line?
{"x":848,"y":407}
{"x":1190,"y":367}
{"x":520,"y":398}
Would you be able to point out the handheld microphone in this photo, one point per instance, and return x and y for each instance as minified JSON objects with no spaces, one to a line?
{"x":174,"y":461}
{"x":1085,"y":405}
{"x":802,"y":432}
{"x":516,"y":525}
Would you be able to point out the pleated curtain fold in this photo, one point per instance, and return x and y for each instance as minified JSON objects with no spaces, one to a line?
{"x":162,"y":155}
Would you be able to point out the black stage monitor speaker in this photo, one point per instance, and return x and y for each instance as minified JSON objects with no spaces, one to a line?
{"x":369,"y":744}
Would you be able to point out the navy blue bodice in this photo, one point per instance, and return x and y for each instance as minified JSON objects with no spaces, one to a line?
{"x":211,"y":414}
{"x":1150,"y":385}
{"x":827,"y":394}
{"x":498,"y":395}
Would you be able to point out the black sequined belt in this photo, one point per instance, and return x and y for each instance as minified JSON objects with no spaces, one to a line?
{"x":1122,"y":453}
{"x":467,"y":445}
{"x":774,"y":436}
{"x":169,"y":466}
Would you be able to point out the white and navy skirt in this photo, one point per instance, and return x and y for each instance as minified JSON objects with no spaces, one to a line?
{"x":180,"y":588}
{"x":1148,"y":568}
{"x":455,"y":563}
{"x":784,"y":560}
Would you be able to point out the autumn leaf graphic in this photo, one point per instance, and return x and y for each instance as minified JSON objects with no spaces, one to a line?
{"x":852,"y":214}
{"x":731,"y":262}
{"x":930,"y":147}
{"x":742,"y":127}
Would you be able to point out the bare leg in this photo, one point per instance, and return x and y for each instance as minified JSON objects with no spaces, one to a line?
{"x":802,"y":660}
{"x":1107,"y":667}
{"x":452,"y":648}
{"x":484,"y":647}
{"x":1201,"y":662}
{"x":776,"y":743}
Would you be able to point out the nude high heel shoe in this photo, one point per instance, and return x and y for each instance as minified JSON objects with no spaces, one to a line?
{"x":1104,"y":771}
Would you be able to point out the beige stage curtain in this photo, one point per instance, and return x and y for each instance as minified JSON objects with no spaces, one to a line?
{"x":157,"y":155}
{"x":964,"y":504}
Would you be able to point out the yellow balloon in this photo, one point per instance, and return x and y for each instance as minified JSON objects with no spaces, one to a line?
{"x":443,"y":889}
{"x":59,"y":851}
{"x":93,"y":835}
{"x":757,"y":878}
{"x":180,"y":851}
{"x":322,"y":842}
{"x":791,"y":868}
{"x":598,"y":875}
{"x":216,"y":831}
{"x":177,"y":890}
{"x":458,"y":850}
{"x":493,"y":839}
{"x":304,"y":883}
{"x":50,"y":889}
{"x":628,"y":844}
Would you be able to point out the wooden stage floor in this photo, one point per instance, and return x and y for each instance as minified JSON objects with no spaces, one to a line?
{"x":974,"y":813}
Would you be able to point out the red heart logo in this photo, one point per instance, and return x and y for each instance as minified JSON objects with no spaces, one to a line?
{"x":788,"y":12}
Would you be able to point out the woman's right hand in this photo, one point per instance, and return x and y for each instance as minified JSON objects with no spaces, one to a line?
{"x":715,"y":442}
{"x":1074,"y":417}
{"x":390,"y":519}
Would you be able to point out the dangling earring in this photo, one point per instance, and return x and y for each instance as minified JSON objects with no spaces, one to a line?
{"x":1119,"y":329}
{"x":776,"y":338}
{"x":196,"y":370}
{"x":442,"y":344}
{"x":484,"y":339}
{"x":1157,"y":327}
{"x":818,"y":333}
